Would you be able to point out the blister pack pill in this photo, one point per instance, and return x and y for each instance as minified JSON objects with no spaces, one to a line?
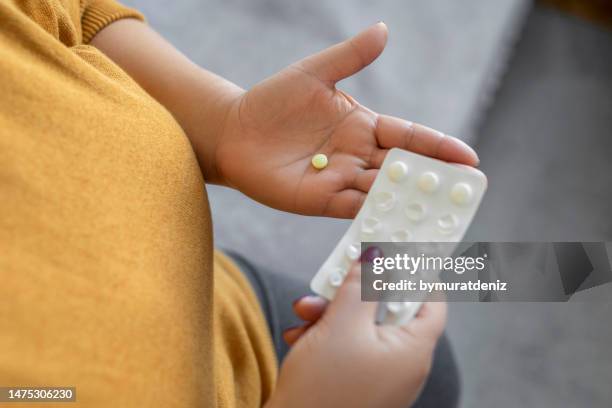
{"x":413,"y":199}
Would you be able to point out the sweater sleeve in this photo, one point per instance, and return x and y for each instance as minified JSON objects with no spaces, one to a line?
{"x":97,"y":14}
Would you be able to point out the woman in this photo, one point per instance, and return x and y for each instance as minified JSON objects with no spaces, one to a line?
{"x":109,"y":279}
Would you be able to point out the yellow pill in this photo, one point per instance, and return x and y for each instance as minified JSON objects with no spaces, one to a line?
{"x":319,"y":161}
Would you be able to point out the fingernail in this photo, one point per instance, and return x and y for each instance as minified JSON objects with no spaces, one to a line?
{"x":298,"y":299}
{"x":469,"y":148}
{"x":370,"y":254}
{"x":302,"y":298}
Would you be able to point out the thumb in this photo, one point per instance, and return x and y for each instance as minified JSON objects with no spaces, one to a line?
{"x":347,"y":306}
{"x":348,"y":57}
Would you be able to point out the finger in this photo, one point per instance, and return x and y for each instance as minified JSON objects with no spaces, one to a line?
{"x":429,"y":322}
{"x":365,"y":179}
{"x":293,"y":334}
{"x":344,"y":204}
{"x":310,"y":308}
{"x":394,"y":132}
{"x":347,"y":308}
{"x":348,"y":57}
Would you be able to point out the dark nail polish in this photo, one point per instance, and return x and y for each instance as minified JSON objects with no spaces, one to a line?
{"x":370,"y":254}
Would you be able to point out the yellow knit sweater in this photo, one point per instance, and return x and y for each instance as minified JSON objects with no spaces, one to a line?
{"x":107,"y":280}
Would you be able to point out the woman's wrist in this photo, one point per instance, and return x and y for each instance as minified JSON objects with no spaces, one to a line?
{"x":206,"y":121}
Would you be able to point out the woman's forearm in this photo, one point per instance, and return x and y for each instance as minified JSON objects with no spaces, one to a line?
{"x":198,"y":99}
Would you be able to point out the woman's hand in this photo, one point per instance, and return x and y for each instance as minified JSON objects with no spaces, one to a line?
{"x":272,"y":131}
{"x":345,"y":360}
{"x":261,"y":141}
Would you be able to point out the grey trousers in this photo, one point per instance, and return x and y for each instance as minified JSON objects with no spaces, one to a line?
{"x":276,"y":293}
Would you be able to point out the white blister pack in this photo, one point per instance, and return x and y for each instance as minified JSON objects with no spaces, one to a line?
{"x":413,"y":199}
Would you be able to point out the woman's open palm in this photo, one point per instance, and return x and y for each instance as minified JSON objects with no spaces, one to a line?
{"x":273,"y":130}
